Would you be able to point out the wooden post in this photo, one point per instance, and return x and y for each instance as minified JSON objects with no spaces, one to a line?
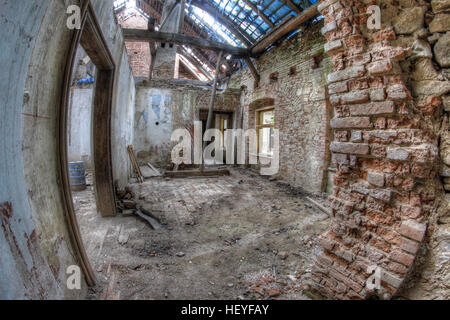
{"x":253,"y":71}
{"x":211,"y":103}
{"x":153,"y":47}
{"x":181,"y":21}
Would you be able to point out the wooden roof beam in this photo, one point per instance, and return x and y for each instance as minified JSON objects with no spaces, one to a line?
{"x":180,"y":39}
{"x":285,"y":29}
{"x":292,"y":6}
{"x":260,"y":13}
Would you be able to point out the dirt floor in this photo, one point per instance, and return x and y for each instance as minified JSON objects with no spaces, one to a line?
{"x":232,"y":237}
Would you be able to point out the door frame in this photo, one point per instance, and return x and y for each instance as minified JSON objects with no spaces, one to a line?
{"x":90,"y":37}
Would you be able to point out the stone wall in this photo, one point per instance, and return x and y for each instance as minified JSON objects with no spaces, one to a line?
{"x":293,"y":75}
{"x":162,"y":107}
{"x":387,"y":92}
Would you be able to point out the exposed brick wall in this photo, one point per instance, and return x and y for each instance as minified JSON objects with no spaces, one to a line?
{"x":293,"y":76}
{"x":385,"y":146}
{"x":138,"y":52}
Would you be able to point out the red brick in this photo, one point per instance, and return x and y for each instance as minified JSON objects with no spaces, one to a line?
{"x":372,"y":108}
{"x":413,"y":230}
{"x":379,"y":67}
{"x":402,"y":257}
{"x":355,"y":97}
{"x":348,"y":147}
{"x":351,"y":122}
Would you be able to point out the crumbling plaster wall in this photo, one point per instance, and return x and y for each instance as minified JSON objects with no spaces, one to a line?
{"x":301,"y":114}
{"x":388,"y":91}
{"x":162,"y":107}
{"x":34,"y":242}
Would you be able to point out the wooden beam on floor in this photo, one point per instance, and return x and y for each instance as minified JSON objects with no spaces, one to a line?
{"x":197,"y":173}
{"x":180,"y":39}
{"x":287,"y":28}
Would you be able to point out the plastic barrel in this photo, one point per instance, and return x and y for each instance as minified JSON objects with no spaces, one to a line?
{"x":77,"y":175}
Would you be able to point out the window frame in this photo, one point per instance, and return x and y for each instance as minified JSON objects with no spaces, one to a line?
{"x":258,"y":126}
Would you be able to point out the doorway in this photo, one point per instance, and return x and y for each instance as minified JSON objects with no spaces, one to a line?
{"x":89,"y":37}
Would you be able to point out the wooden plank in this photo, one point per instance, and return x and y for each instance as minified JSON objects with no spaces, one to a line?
{"x":197,"y":173}
{"x":289,"y":27}
{"x":180,"y":39}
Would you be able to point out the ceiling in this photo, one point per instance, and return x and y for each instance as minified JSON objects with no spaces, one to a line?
{"x":239,"y":23}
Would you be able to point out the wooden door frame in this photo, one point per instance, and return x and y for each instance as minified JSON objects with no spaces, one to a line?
{"x":90,"y":37}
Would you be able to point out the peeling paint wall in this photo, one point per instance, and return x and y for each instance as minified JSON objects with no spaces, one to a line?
{"x":35,"y":246}
{"x":162,"y":107}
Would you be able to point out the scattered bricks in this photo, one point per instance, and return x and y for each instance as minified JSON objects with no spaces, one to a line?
{"x":381,"y":194}
{"x":375,"y":178}
{"x":379,"y":67}
{"x":413,"y":230}
{"x":354,"y":97}
{"x":390,"y":279}
{"x":400,"y":154}
{"x":329,"y":27}
{"x":356,"y":136}
{"x":377,"y":94}
{"x":351,"y":122}
{"x":348,"y":147}
{"x":409,"y":245}
{"x":401,"y":257}
{"x":338,"y":87}
{"x":398,"y":92}
{"x":352,"y":72}
{"x":333,"y":46}
{"x":372,"y":108}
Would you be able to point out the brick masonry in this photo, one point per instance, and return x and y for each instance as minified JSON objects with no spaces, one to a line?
{"x":298,"y":96}
{"x":385,"y":146}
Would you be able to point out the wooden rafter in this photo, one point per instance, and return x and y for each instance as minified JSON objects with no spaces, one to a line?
{"x":283,"y":30}
{"x":224,"y":20}
{"x":260,"y":13}
{"x":292,"y":6}
{"x":180,"y":39}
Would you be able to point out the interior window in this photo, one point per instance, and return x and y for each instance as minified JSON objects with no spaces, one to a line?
{"x":264,"y":127}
